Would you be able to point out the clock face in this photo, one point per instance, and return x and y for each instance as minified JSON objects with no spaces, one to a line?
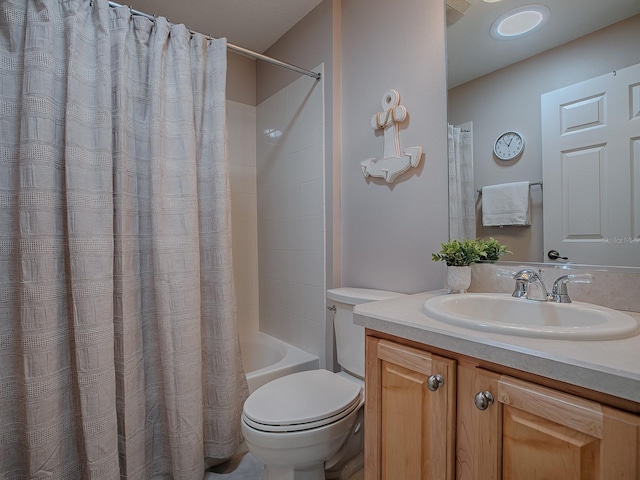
{"x":508,"y":146}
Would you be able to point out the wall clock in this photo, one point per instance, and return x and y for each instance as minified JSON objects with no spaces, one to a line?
{"x":508,"y":146}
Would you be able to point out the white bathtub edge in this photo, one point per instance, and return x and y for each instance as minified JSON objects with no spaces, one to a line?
{"x":295,"y":360}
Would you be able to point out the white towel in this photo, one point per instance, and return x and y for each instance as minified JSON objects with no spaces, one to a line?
{"x":506,"y":204}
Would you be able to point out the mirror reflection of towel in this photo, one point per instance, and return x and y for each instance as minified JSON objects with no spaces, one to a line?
{"x":506,"y":204}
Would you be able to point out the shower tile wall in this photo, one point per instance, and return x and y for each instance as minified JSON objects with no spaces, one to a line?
{"x":291,"y":240}
{"x":241,"y":148}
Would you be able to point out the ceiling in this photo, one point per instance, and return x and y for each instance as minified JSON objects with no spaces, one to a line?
{"x":252,"y":24}
{"x":473,"y":52}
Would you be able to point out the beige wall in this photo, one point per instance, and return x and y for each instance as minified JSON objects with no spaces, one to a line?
{"x":390,"y":231}
{"x":241,"y":79}
{"x":509,"y":99}
{"x":307,"y":44}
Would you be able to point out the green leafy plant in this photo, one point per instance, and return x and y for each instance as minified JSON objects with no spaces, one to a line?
{"x":493,"y":249}
{"x":456,"y":253}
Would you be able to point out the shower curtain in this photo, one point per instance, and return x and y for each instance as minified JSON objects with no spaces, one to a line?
{"x":462,"y":215}
{"x":119,"y":354}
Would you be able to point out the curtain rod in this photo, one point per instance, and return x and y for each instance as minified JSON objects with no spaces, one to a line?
{"x":240,"y":50}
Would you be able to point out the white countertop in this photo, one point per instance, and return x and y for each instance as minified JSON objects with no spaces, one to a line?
{"x":607,"y":366}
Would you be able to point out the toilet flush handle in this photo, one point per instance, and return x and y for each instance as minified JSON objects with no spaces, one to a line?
{"x":332,"y":308}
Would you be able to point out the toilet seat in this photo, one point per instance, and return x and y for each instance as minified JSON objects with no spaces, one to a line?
{"x":302,"y":426}
{"x":302,"y":401}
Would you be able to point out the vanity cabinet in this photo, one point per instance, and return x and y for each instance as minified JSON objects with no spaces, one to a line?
{"x":485,"y":424}
{"x":409,"y":413}
{"x":515,"y":429}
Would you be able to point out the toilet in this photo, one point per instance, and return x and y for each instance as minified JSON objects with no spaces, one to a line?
{"x":308,"y":425}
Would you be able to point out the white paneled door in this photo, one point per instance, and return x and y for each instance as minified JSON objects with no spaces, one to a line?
{"x":591,"y":169}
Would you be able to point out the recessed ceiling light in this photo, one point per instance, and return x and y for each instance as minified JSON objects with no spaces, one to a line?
{"x":492,"y":1}
{"x":520,"y":22}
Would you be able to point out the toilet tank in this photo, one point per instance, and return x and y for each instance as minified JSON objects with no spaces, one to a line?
{"x":350,"y":337}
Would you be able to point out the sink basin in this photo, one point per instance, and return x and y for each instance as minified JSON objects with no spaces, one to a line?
{"x":502,"y":313}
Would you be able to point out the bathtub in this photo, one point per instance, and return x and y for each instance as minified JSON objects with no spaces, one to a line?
{"x":266,"y":358}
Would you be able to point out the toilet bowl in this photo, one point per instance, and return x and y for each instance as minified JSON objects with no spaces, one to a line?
{"x":307,"y":425}
{"x":314,"y":414}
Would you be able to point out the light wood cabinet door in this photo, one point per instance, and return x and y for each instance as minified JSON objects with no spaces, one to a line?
{"x":409,"y":423}
{"x":537,"y":433}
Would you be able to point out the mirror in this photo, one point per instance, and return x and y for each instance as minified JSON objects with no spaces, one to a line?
{"x":497,"y":85}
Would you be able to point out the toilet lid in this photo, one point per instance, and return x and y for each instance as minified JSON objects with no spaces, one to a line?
{"x":302,"y":400}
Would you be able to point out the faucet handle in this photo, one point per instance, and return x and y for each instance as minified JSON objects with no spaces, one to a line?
{"x":580,"y":278}
{"x":559,"y":291}
{"x":560,"y":285}
{"x":505,"y":273}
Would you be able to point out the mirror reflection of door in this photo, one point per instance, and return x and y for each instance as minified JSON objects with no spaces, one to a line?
{"x":591,"y":169}
{"x":462,"y":214}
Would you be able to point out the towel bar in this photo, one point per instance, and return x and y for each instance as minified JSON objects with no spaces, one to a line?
{"x":530,"y":184}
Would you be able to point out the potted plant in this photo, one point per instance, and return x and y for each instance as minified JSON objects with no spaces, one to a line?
{"x":493,"y":249}
{"x":459,"y":255}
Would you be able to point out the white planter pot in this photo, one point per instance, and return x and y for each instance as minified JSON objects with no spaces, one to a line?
{"x":458,"y":279}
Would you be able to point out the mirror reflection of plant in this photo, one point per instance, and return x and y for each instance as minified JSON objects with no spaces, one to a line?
{"x":493,"y":249}
{"x":457,"y":253}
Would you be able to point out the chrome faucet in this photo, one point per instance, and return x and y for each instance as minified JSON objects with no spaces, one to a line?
{"x":527,"y":278}
{"x":559,"y":292}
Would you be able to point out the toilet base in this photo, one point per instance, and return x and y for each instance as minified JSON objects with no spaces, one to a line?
{"x":311,"y":472}
{"x":351,"y":470}
{"x":350,"y":458}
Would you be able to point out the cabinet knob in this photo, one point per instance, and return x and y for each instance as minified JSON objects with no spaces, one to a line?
{"x":483,"y":400}
{"x":434,"y":382}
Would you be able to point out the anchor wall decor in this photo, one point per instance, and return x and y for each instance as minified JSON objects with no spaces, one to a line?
{"x":394,"y":161}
